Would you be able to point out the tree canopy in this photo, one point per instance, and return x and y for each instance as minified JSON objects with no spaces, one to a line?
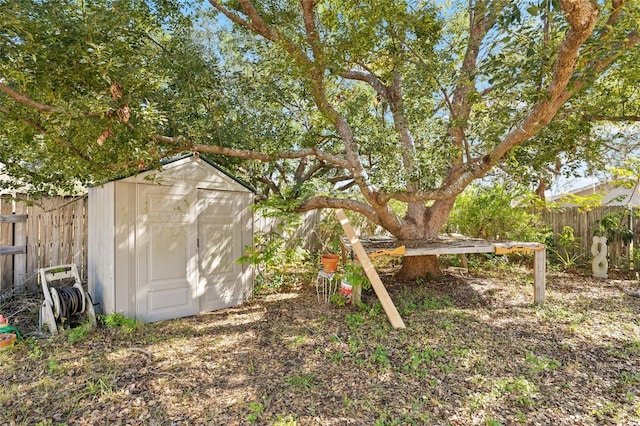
{"x":324,"y":104}
{"x":87,"y":89}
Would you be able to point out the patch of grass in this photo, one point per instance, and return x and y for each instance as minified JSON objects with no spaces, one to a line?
{"x":78,"y":333}
{"x":355,"y":345}
{"x":542,"y":364}
{"x":35,"y":350}
{"x":355,"y":320}
{"x":335,"y":357}
{"x":302,"y":381}
{"x":374,"y":310}
{"x":553,"y":313}
{"x":446,"y":325}
{"x":255,"y":410}
{"x":633,"y":348}
{"x":100,"y":388}
{"x":628,"y":378}
{"x":53,"y":366}
{"x":119,"y":321}
{"x":435,"y":303}
{"x":298,"y":341}
{"x":519,"y":388}
{"x":288,"y":420}
{"x":381,"y":356}
{"x":604,"y":412}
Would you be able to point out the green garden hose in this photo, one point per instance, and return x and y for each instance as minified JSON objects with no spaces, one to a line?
{"x":8,"y":328}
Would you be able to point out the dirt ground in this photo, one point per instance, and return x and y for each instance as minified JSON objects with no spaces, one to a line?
{"x":476,"y":351}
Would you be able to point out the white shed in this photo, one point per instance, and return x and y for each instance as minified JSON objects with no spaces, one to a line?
{"x":164,"y":243}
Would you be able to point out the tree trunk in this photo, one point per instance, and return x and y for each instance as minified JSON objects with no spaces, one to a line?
{"x":423,"y":223}
{"x":419,"y":267}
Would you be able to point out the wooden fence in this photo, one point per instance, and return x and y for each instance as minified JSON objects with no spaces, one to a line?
{"x":584,"y":225}
{"x":36,"y":233}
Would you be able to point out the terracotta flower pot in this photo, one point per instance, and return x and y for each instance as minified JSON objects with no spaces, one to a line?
{"x":330,"y":262}
{"x":7,"y":340}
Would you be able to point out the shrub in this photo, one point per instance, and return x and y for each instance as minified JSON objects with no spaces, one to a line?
{"x":497,"y":212}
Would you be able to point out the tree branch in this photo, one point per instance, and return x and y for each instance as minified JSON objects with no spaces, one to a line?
{"x":369,"y":78}
{"x":339,"y":203}
{"x":25,"y":100}
{"x":256,"y":23}
{"x":582,"y":15}
{"x":621,"y":118}
{"x":241,"y":153}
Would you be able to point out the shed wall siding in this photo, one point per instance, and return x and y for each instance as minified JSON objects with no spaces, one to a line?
{"x":100,"y":244}
{"x":125,"y":241}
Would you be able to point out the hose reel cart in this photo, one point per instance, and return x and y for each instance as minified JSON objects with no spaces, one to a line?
{"x":64,"y":303}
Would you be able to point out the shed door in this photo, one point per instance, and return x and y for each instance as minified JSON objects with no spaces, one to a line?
{"x":219,"y":246}
{"x":166,"y":251}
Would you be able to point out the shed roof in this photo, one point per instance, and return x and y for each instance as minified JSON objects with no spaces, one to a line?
{"x":190,"y":168}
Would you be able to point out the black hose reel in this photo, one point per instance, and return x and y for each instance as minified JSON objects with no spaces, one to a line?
{"x":61,"y":304}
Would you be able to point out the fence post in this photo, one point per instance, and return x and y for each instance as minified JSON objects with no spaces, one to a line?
{"x":20,"y":260}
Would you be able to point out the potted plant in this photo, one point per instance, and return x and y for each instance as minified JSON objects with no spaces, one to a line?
{"x":330,"y":263}
{"x":353,"y":281}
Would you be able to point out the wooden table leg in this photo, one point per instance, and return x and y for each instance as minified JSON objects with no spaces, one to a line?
{"x":539,"y":275}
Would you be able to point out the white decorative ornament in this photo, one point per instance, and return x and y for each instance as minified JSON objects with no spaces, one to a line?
{"x":599,"y":252}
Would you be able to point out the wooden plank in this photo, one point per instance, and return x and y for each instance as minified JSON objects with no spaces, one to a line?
{"x":20,"y":260}
{"x":539,"y":275}
{"x":11,"y":250}
{"x":46,"y":226}
{"x":55,"y":231}
{"x":450,"y":250}
{"x":66,"y":232}
{"x":33,"y":242}
{"x":13,"y":218}
{"x":6,"y":240}
{"x":376,"y":283}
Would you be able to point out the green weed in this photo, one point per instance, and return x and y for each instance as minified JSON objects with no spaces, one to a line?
{"x":541,"y":364}
{"x":53,"y":366}
{"x":521,"y":389}
{"x":302,"y":381}
{"x":119,"y":321}
{"x":434,"y":303}
{"x":255,"y":409}
{"x":285,"y":421}
{"x":78,"y":333}
{"x":381,"y":356}
{"x":606,"y":411}
{"x":628,"y":378}
{"x":338,"y":299}
{"x":355,"y":345}
{"x":298,"y":341}
{"x":335,"y":357}
{"x":35,"y":350}
{"x":354,"y":320}
{"x":99,"y":388}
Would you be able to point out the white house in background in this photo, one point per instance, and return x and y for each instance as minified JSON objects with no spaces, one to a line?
{"x":612,"y":195}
